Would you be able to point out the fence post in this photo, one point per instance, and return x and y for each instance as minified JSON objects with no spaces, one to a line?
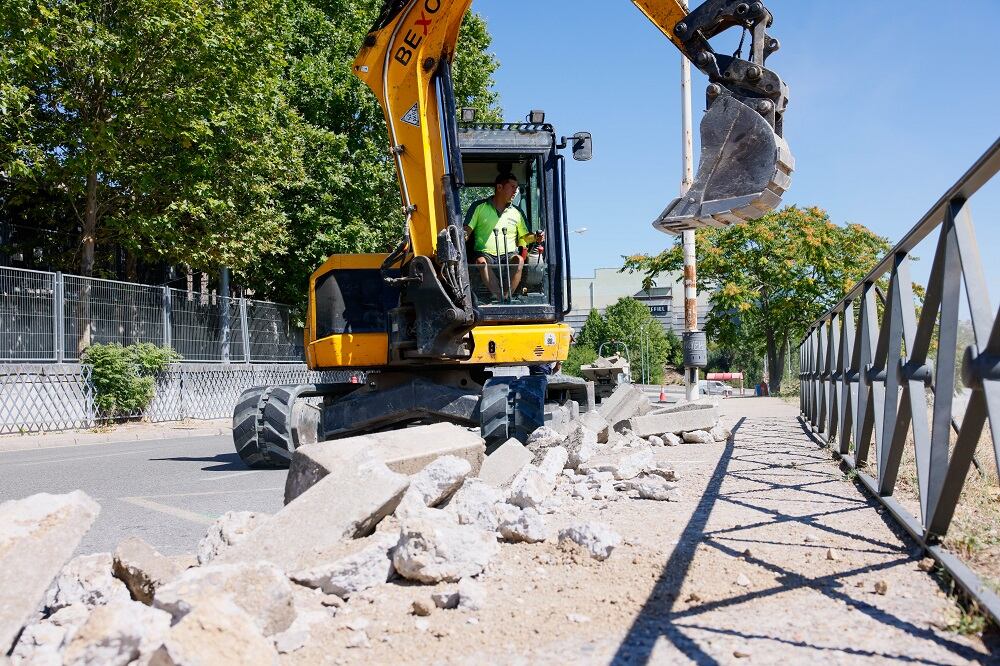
{"x":245,"y":329}
{"x":58,"y":299}
{"x":167,"y":316}
{"x":224,"y":312}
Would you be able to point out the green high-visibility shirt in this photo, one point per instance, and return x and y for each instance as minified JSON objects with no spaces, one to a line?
{"x":510,"y":226}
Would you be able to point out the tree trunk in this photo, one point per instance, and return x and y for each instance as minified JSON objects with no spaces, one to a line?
{"x":88,"y":239}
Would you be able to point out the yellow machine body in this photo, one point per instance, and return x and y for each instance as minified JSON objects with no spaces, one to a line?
{"x":399,"y":61}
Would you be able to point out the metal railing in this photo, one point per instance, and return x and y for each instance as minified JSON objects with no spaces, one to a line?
{"x":877,"y":374}
{"x":52,"y":317}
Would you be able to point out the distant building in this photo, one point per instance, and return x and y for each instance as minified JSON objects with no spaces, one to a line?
{"x":665,"y":299}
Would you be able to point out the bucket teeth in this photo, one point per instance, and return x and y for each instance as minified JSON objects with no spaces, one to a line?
{"x":744,"y":170}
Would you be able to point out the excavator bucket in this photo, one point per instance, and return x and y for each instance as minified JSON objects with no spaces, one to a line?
{"x":745,"y":168}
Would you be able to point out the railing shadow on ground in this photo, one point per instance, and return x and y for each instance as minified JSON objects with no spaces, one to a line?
{"x":660,"y":618}
{"x":881,"y":378}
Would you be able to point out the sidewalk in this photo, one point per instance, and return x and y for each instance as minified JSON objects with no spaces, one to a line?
{"x":125,"y":432}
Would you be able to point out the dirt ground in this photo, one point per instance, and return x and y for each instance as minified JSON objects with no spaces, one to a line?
{"x":773,"y":556}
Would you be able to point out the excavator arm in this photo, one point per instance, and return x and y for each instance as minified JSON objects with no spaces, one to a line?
{"x":745,"y":164}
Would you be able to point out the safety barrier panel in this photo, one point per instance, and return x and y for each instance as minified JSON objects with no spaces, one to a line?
{"x":52,"y":317}
{"x":49,"y":397}
{"x":876,"y":371}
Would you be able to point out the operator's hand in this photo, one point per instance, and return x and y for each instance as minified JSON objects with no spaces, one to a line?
{"x":539,"y":236}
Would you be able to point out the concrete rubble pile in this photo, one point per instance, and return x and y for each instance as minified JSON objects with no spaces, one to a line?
{"x":359,"y":514}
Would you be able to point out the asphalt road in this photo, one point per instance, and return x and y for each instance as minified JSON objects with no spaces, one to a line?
{"x":165,"y":491}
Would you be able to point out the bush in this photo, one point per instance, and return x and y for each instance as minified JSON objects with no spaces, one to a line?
{"x":579,"y":354}
{"x":123,"y":376}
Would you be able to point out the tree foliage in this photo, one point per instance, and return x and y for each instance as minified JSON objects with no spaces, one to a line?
{"x":205,"y":134}
{"x":162,"y":122}
{"x":630,"y":322}
{"x":771,"y":278}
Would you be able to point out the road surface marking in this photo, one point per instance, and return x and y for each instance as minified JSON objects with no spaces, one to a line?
{"x":76,"y":458}
{"x":218,"y":492}
{"x":230,"y":476}
{"x":191,"y":516}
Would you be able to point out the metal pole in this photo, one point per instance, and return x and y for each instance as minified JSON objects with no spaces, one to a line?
{"x":224,"y":311}
{"x":690,"y":265}
{"x":167,"y":318}
{"x":58,"y":314}
{"x":245,"y":329}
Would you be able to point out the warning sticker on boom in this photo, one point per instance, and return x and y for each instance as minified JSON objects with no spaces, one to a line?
{"x":412,"y":116}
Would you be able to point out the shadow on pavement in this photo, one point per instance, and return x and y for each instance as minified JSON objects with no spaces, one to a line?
{"x":225,"y":462}
{"x":658,"y":617}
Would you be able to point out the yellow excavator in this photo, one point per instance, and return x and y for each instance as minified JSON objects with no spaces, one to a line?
{"x":431,"y":334}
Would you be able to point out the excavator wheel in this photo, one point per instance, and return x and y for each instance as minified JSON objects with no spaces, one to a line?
{"x":269,"y":423}
{"x":528,"y":404}
{"x":493,"y":412}
{"x":511,"y":407}
{"x":246,"y":416}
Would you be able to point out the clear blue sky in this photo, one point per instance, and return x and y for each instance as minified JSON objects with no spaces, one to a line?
{"x":890,"y":103}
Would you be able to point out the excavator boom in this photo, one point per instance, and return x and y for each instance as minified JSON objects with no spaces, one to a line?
{"x":745,"y":164}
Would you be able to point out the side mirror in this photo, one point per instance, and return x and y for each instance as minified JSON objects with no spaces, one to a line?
{"x":583,"y":146}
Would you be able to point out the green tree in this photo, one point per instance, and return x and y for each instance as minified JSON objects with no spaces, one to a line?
{"x":630,"y":322}
{"x":161,"y":122}
{"x":578,"y":355}
{"x":348,"y":201}
{"x":772,"y":277}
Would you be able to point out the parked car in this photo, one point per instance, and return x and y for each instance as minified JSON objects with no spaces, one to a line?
{"x":714,"y":387}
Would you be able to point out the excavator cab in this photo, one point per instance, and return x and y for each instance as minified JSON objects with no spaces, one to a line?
{"x":525,"y":281}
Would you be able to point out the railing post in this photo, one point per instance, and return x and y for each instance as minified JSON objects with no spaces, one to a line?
{"x":245,"y":329}
{"x":224,"y":312}
{"x":58,"y":313}
{"x":167,"y":318}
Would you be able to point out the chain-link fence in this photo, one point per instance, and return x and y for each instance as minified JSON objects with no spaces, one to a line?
{"x":45,"y":397}
{"x":48,"y":397}
{"x":52,"y":317}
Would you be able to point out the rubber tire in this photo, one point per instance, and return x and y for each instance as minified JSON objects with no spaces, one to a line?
{"x":494,"y":412}
{"x":246,"y":417}
{"x":527,"y":406}
{"x":275,"y":432}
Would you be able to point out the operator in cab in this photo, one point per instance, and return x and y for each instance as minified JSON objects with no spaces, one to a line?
{"x":498,"y":229}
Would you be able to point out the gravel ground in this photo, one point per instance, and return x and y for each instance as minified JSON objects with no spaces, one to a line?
{"x":772,"y":557}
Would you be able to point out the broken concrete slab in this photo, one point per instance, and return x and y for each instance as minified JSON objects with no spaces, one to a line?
{"x":655,"y":487}
{"x":627,"y":401}
{"x":347,"y":503}
{"x":702,"y":418}
{"x":217,"y":632}
{"x":597,"y":423}
{"x":143,"y":569}
{"x":434,"y":483}
{"x":598,"y":539}
{"x":699,"y":437}
{"x":38,"y":535}
{"x":260,"y":588}
{"x":624,"y":465}
{"x":41,"y":642}
{"x":554,"y":463}
{"x":405,"y":451}
{"x":720,"y":434}
{"x":530,"y":488}
{"x":229,"y":529}
{"x":581,"y":443}
{"x":86,"y":580}
{"x":475,"y":504}
{"x":527,"y":525}
{"x":434,"y":550}
{"x":501,"y":466}
{"x":361,"y":565}
{"x":117,"y":634}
